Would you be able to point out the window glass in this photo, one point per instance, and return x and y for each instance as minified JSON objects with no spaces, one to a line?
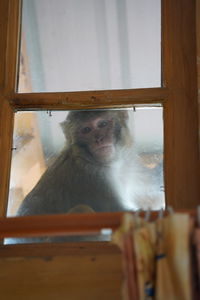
{"x":76,"y":45}
{"x":87,"y":161}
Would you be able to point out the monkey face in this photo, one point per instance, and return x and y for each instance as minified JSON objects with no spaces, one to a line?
{"x":98,"y":136}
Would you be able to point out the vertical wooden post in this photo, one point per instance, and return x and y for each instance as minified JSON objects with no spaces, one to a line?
{"x":9,"y":33}
{"x":181,"y":125}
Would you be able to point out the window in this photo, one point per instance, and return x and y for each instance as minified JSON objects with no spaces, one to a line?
{"x":177,"y":95}
{"x":133,"y":174}
{"x":95,"y":45}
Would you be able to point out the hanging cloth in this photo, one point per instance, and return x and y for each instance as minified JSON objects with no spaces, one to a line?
{"x":144,"y":243}
{"x":173,"y":277}
{"x":156,"y":257}
{"x":123,"y":237}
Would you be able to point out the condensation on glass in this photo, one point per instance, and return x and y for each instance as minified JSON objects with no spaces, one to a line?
{"x":117,"y":161}
{"x":76,"y":45}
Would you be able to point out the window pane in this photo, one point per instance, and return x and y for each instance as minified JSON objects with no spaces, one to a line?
{"x":87,"y":161}
{"x":76,"y":45}
{"x":105,"y":235}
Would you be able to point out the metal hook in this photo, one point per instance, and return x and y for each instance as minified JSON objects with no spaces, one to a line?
{"x":147,"y":215}
{"x":160,"y":213}
{"x":49,"y":112}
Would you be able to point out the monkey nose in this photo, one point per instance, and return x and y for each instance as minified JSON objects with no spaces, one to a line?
{"x":98,"y":139}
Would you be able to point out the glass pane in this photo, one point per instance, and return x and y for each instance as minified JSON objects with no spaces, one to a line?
{"x":76,"y":45}
{"x":87,"y":161}
{"x":103,"y":236}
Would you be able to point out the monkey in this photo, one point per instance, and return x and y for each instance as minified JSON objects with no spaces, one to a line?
{"x":96,"y":172}
{"x":98,"y":168}
{"x":80,"y":174}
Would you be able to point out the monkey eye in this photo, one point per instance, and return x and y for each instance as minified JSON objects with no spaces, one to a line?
{"x":102,"y":123}
{"x":85,"y":130}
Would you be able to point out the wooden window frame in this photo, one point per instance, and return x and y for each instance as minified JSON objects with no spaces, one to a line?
{"x":178,"y":95}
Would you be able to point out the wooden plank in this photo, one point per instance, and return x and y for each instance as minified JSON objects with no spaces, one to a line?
{"x":198,"y":55}
{"x":6,"y":127}
{"x":9,"y":34}
{"x":58,"y":249}
{"x":90,"y":99}
{"x":180,"y":113}
{"x":61,"y":277}
{"x":12,"y":51}
{"x":3,"y":39}
{"x":59,"y":224}
{"x":73,"y":224}
{"x":198,"y":40}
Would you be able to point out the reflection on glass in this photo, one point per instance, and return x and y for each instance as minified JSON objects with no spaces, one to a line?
{"x":101,"y":237}
{"x":90,"y":45}
{"x":87,"y":161}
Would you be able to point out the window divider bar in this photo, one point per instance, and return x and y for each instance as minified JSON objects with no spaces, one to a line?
{"x":68,"y":224}
{"x":89,"y":99}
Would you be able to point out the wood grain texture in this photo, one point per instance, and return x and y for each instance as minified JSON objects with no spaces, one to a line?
{"x":60,"y":224}
{"x":9,"y":37}
{"x":63,"y":224}
{"x":6,"y":128}
{"x":57,"y":249}
{"x":3,"y":39}
{"x":89,"y":99}
{"x":61,"y":277}
{"x":12,"y":49}
{"x":198,"y":56}
{"x":198,"y":38}
{"x":180,"y":111}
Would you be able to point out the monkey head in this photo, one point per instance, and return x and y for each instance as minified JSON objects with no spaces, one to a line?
{"x":98,"y":133}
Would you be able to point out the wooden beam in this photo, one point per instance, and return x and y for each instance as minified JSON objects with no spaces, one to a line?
{"x":67,"y":224}
{"x":181,"y":110}
{"x":90,"y":99}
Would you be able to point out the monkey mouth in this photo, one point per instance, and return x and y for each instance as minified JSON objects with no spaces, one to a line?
{"x":105,"y":150}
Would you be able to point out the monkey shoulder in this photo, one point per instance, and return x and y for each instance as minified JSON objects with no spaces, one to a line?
{"x":44,"y":198}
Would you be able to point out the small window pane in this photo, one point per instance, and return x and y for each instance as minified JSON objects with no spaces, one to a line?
{"x":87,"y":161}
{"x":76,"y":45}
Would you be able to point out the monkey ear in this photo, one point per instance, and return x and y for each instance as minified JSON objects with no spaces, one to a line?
{"x":63,"y":125}
{"x":65,"y":129}
{"x":124,"y":116}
